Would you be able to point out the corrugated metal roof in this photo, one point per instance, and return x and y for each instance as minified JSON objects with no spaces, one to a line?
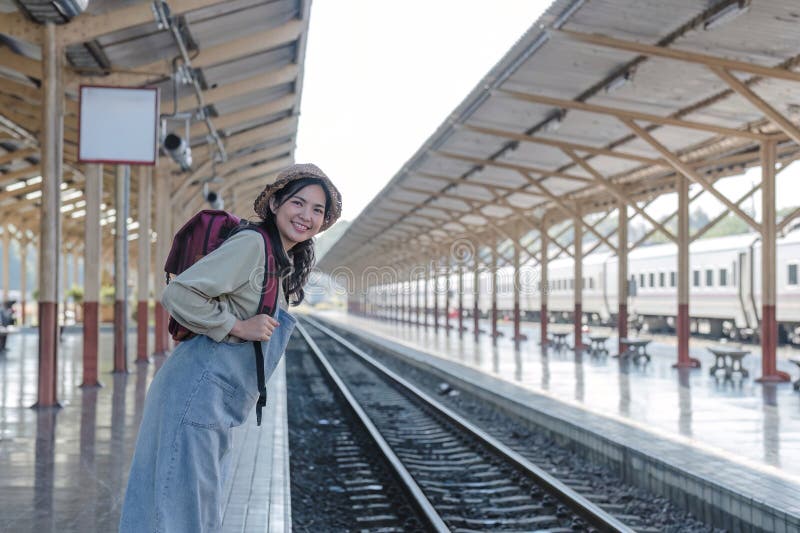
{"x":249,"y":40}
{"x":547,"y":63}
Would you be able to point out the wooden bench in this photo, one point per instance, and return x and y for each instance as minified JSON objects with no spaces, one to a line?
{"x":729,"y":360}
{"x":796,"y":384}
{"x":634,"y":348}
{"x":598,"y":345}
{"x":559,"y":341}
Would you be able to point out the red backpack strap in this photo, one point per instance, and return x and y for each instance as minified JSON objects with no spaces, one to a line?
{"x":268,"y":302}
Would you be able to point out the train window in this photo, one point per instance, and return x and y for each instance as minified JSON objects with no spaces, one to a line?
{"x":662,"y":279}
{"x":672,"y":279}
{"x":571,"y":283}
{"x":641,"y":280}
{"x":591,"y":283}
{"x":709,"y":277}
{"x":792,"y":274}
{"x":652,"y":277}
{"x":696,"y":278}
{"x":723,"y":277}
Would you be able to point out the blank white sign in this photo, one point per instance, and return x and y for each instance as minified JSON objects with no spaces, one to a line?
{"x":118,"y":125}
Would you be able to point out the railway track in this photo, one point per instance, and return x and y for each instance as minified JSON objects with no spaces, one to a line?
{"x":455,"y":476}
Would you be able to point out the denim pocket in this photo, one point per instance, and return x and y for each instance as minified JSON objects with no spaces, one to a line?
{"x":217,"y":404}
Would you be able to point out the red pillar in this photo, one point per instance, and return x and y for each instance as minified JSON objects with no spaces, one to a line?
{"x":622,"y":275}
{"x":141,"y":331}
{"x":447,"y":300}
{"x":684,"y":360}
{"x":48,"y":354}
{"x":544,"y":285}
{"x":518,"y":336}
{"x":121,"y":271}
{"x":577,"y":228}
{"x":91,"y":334}
{"x":769,"y":326}
{"x":495,"y":333}
{"x":161,"y":326}
{"x":435,"y":300}
{"x":461,"y":327}
{"x":52,"y":144}
{"x":475,"y":308}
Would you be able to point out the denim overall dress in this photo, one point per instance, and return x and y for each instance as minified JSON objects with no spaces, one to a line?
{"x":182,"y":455}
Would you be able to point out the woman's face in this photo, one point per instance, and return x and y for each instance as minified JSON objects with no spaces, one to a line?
{"x":300,"y":216}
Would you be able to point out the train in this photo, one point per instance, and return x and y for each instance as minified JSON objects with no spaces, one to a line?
{"x":724,"y":287}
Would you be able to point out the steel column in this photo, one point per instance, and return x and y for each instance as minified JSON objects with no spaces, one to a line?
{"x":436,"y":296}
{"x":683,"y":276}
{"x":23,"y":278}
{"x":143,"y":269}
{"x":164,"y":233}
{"x":6,"y":261}
{"x":475,"y":293}
{"x":769,"y":326}
{"x":495,"y":332}
{"x":518,"y":336}
{"x":425,"y":296}
{"x":577,"y":229}
{"x":544,"y":287}
{"x":622,"y":274}
{"x":416,"y":298}
{"x":447,"y":297}
{"x":461,"y":327}
{"x":121,"y":270}
{"x":92,"y":238}
{"x":52,"y":145}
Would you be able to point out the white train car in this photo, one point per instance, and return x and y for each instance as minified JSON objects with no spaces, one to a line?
{"x":724,"y":285}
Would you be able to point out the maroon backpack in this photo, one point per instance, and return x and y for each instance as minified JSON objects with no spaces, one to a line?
{"x":200,"y":236}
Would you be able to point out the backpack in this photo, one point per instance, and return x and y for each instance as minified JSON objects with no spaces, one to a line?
{"x":200,"y":236}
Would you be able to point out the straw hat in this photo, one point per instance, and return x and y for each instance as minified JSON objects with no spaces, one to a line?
{"x":296,"y":172}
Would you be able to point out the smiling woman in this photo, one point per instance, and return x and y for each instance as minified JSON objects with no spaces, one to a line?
{"x":210,"y":385}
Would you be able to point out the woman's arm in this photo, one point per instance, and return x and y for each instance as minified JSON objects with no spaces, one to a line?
{"x":191,"y":297}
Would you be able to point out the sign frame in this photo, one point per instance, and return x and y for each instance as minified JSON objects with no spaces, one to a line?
{"x":94,"y":158}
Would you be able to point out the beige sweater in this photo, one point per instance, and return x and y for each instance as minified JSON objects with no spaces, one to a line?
{"x":222,"y":287}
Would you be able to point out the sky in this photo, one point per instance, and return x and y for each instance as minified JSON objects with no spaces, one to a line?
{"x":381,"y":75}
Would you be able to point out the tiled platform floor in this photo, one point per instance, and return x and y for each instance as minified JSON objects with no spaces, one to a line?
{"x":741,"y":420}
{"x":66,"y":470}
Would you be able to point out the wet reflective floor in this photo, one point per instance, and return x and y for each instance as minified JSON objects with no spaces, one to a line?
{"x":739,"y":419}
{"x":66,"y":469}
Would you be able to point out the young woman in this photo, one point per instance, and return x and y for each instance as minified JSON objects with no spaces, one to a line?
{"x":209,"y":384}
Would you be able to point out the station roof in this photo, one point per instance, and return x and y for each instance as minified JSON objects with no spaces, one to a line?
{"x":247,"y":56}
{"x":598,"y":103}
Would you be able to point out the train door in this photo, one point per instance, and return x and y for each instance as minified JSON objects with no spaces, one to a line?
{"x":744,"y":277}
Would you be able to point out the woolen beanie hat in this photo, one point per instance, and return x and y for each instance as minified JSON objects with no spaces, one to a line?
{"x":296,"y":172}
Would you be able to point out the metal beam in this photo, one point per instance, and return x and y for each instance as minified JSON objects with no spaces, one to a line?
{"x":759,"y":103}
{"x":628,"y":114}
{"x":680,"y":55}
{"x":684,"y":169}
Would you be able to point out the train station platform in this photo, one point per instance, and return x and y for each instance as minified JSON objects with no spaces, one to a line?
{"x":66,"y":469}
{"x":739,"y":436}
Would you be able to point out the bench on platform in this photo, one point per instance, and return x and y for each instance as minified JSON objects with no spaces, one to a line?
{"x":796,"y":384}
{"x":729,"y":360}
{"x":598,"y":344}
{"x":634,"y":348}
{"x":559,"y":340}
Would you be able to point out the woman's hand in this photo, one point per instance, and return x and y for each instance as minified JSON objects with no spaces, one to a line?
{"x":257,"y":328}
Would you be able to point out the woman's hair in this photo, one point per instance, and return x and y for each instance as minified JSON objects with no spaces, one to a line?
{"x":294,"y":267}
